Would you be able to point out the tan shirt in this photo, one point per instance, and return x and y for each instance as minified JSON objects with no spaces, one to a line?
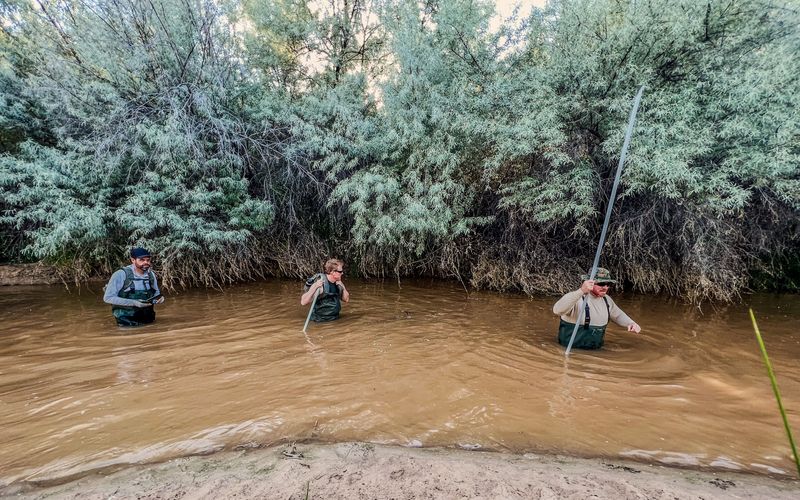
{"x":567,"y":307}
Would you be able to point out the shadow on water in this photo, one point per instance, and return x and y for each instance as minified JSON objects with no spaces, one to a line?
{"x":417,"y":365}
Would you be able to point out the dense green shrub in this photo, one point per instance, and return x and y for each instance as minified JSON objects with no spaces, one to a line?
{"x":245,"y":138}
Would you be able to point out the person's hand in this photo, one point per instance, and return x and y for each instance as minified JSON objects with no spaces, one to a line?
{"x":160,"y":300}
{"x":317,"y":286}
{"x":340,"y":284}
{"x":140,"y":304}
{"x":587,"y":286}
{"x":633,"y":327}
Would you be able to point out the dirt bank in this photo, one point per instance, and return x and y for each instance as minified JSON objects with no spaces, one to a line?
{"x":28,"y":274}
{"x":359,"y":470}
{"x":37,"y":273}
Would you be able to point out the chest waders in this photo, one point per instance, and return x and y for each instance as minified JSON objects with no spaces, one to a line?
{"x":135,"y":316}
{"x":588,"y":337}
{"x":329,"y":302}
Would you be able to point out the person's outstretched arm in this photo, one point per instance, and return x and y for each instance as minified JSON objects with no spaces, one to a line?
{"x":619,"y":317}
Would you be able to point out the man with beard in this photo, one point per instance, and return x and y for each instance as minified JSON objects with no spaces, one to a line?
{"x":132,"y":291}
{"x":599,"y":308}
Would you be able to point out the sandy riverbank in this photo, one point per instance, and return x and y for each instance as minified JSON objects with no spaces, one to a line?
{"x":359,"y":470}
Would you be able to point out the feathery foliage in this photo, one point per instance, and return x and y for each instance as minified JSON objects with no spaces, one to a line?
{"x":244,"y":138}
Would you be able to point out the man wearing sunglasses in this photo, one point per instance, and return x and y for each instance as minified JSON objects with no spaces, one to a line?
{"x":599,"y":308}
{"x":332,"y":292}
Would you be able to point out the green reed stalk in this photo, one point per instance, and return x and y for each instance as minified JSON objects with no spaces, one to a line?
{"x":776,"y":391}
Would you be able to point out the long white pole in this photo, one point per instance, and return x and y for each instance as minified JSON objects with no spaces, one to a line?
{"x":311,"y":310}
{"x":611,"y":199}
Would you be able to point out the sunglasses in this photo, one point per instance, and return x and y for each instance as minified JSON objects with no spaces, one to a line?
{"x":605,"y":285}
{"x":340,"y":271}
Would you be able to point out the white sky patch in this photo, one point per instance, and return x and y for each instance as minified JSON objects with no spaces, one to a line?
{"x":315,"y":62}
{"x":505,"y":8}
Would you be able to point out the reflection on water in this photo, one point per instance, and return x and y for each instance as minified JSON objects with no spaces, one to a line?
{"x":420,"y":365}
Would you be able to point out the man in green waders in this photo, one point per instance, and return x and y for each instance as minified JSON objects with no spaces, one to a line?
{"x":329,"y":302}
{"x":132,"y":291}
{"x":598,"y":310}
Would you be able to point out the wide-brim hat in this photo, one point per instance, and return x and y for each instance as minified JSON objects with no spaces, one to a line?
{"x":603,"y":276}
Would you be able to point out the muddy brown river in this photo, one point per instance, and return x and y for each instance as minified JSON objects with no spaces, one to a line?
{"x":421,"y":364}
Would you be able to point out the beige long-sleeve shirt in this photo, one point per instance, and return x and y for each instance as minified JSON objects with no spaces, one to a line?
{"x":567,"y":307}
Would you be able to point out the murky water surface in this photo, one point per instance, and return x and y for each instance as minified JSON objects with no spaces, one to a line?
{"x":417,"y":365}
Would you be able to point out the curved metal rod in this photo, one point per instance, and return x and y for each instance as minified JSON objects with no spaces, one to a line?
{"x":311,"y":310}
{"x":611,"y":199}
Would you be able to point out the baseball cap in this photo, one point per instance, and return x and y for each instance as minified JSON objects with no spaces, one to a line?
{"x":139,"y":252}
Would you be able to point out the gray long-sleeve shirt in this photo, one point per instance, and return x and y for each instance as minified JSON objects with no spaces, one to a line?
{"x":116,"y":283}
{"x":567,"y":308}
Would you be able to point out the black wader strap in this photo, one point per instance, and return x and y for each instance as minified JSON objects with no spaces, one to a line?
{"x":586,"y":312}
{"x":130,"y":277}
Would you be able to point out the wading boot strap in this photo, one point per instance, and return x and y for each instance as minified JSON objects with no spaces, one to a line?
{"x":586,"y":313}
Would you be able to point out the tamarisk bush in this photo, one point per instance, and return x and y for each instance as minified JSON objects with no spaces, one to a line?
{"x":244,"y":138}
